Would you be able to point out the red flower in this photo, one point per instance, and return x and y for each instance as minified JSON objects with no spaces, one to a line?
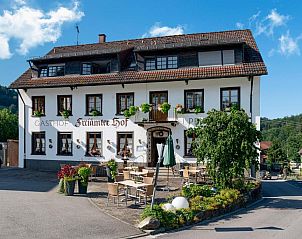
{"x":66,"y":171}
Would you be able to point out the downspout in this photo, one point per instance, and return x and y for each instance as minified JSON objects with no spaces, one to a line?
{"x":251,"y":79}
{"x":24,"y":129}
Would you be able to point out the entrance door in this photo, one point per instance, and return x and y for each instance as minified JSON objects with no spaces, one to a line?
{"x":156,"y":98}
{"x":157,"y":137}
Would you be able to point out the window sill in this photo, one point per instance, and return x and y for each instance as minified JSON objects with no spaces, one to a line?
{"x":38,"y":153}
{"x":93,"y":115}
{"x":189,"y":156}
{"x":64,"y":155}
{"x":34,"y":116}
{"x":62,"y":115}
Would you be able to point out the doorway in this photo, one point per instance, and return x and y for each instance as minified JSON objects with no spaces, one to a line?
{"x":156,"y":135}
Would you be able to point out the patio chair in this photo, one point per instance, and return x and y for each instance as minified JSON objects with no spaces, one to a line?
{"x":146,"y":193}
{"x":114,"y":192}
{"x":186,"y":176}
{"x":145,"y":170}
{"x":93,"y":172}
{"x":148,"y":180}
{"x":119,"y":178}
{"x":150,"y":174}
{"x":126,"y":175}
{"x":140,"y":168}
{"x":120,"y":171}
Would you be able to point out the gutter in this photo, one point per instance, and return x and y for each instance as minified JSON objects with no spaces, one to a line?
{"x":251,"y":79}
{"x":24,"y":128}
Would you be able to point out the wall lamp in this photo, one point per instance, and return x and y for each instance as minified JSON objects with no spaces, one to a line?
{"x":108,"y":141}
{"x":177,"y":141}
{"x":140,"y":141}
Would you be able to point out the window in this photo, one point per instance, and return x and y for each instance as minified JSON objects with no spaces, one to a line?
{"x":86,"y":69}
{"x":150,"y":64}
{"x":94,"y":144}
{"x":161,"y":63}
{"x":125,"y":144}
{"x":64,"y":103}
{"x":65,"y":144}
{"x":188,"y":144}
{"x":216,"y":58}
{"x":43,"y":72}
{"x":56,"y":70}
{"x":194,"y":99}
{"x":94,"y":105}
{"x":38,"y":105}
{"x":229,"y":97}
{"x":172,"y":62}
{"x":124,"y":101}
{"x":38,"y":143}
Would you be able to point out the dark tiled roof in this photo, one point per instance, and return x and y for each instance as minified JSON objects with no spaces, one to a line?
{"x":264,"y":145}
{"x":253,"y":65}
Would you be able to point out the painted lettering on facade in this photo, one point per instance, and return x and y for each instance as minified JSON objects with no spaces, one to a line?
{"x":101,"y":123}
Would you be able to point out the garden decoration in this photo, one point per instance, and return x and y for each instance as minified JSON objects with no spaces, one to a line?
{"x":145,"y":108}
{"x":111,"y":170}
{"x":38,"y":113}
{"x":95,"y":113}
{"x":65,"y":114}
{"x":198,"y":109}
{"x":164,"y":107}
{"x":179,"y":109}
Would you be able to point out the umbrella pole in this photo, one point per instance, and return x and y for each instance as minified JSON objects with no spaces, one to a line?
{"x":168,"y":180}
{"x":156,"y":173}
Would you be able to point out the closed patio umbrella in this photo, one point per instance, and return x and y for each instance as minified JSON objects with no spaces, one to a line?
{"x":169,"y":157}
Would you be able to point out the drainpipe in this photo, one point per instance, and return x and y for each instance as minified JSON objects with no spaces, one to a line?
{"x":251,"y":79}
{"x":24,"y":129}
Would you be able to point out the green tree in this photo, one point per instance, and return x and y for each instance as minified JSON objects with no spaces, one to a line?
{"x":294,"y":144}
{"x":226,"y":141}
{"x":8,"y":125}
{"x":276,"y":153}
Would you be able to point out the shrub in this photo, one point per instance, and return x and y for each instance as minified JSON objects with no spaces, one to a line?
{"x":164,"y":107}
{"x":112,"y":165}
{"x":145,"y":108}
{"x":191,"y":191}
{"x":167,"y":219}
{"x":84,"y":173}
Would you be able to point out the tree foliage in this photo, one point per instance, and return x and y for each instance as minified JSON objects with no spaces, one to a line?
{"x":287,"y":132}
{"x":275,"y":153}
{"x":8,"y":125}
{"x":226,"y":141}
{"x":8,"y":99}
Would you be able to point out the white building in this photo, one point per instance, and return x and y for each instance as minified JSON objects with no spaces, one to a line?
{"x":96,"y":83}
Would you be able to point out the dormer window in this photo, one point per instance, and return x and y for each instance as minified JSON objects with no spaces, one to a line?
{"x":43,"y":72}
{"x":161,"y":63}
{"x":86,"y":68}
{"x":56,"y":70}
{"x":216,"y":58}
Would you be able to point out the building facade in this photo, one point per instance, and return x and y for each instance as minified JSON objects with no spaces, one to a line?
{"x":86,"y":102}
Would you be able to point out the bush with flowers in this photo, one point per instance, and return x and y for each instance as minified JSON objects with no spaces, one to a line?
{"x":67,"y":176}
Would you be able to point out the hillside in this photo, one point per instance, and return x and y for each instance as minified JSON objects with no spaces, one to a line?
{"x":8,"y":99}
{"x":285,"y":131}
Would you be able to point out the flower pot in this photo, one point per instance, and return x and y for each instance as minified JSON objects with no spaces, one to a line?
{"x":109,"y":176}
{"x":61,"y":186}
{"x":69,"y":187}
{"x":82,"y":187}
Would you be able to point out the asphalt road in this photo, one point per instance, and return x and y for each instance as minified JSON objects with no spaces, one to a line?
{"x":279,"y":215}
{"x":31,"y":208}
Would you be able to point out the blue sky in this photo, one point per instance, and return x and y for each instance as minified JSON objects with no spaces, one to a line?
{"x":32,"y":27}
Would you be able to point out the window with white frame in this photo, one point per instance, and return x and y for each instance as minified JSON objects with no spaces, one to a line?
{"x":94,"y":144}
{"x":38,"y":143}
{"x":64,"y":143}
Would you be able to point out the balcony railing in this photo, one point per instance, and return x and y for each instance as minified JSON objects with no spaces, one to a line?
{"x":156,"y":116}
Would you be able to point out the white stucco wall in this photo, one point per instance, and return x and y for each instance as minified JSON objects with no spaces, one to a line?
{"x":141,"y":95}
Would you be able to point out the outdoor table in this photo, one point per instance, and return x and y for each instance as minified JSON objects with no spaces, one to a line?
{"x":193,"y":171}
{"x":131,"y":168}
{"x":132,"y":184}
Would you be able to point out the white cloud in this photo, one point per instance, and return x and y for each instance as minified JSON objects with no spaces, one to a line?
{"x":157,"y":31}
{"x":239,"y":25}
{"x":269,"y":23}
{"x":33,"y":27}
{"x":289,"y":45}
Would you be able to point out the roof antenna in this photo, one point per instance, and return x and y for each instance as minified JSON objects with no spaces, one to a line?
{"x":78,"y":32}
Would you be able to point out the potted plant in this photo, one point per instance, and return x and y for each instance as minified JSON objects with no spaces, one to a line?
{"x":68,"y":173}
{"x":179,"y":109}
{"x":145,"y":108}
{"x":84,"y":173}
{"x":164,"y":107}
{"x":111,"y":170}
{"x":198,"y":109}
{"x":65,"y":113}
{"x":38,"y":113}
{"x":95,"y":113}
{"x":131,"y":111}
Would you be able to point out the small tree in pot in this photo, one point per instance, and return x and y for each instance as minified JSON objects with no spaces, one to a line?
{"x":84,"y":173}
{"x":111,"y":170}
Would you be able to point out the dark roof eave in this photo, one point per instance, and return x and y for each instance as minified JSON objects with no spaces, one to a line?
{"x":133,"y":82}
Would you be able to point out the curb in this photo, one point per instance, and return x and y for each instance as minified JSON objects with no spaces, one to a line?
{"x":159,"y":233}
{"x":130,"y":237}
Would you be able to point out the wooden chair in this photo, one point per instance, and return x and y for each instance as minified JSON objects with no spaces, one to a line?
{"x":186,"y":176}
{"x":150,"y":174}
{"x":93,"y":172}
{"x":120,"y":171}
{"x":148,"y":180}
{"x":126,"y":175}
{"x":114,"y":192}
{"x":146,"y":193}
{"x":145,"y":170}
{"x":140,"y":168}
{"x":119,"y":178}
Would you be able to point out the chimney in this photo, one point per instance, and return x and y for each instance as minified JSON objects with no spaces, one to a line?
{"x":102,"y":38}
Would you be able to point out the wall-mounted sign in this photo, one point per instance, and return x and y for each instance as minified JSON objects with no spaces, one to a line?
{"x":101,"y":123}
{"x":52,"y":123}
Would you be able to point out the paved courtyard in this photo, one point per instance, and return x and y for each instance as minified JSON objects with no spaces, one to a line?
{"x":30,"y":207}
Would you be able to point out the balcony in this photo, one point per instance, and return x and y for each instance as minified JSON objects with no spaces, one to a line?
{"x":155,"y":117}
